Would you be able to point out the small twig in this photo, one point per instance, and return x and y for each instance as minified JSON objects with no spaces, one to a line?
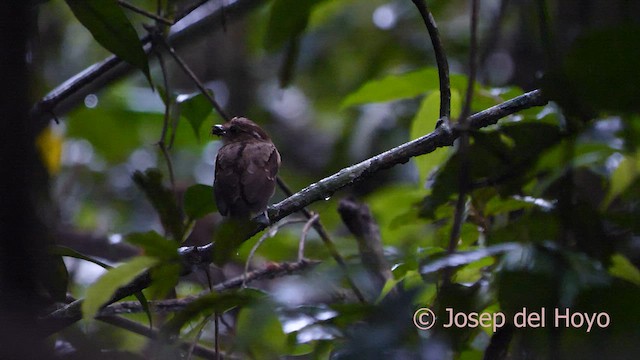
{"x":144,"y":12}
{"x":328,"y":243}
{"x":441,"y":59}
{"x":463,"y":176}
{"x":303,"y":236}
{"x":473,"y":64}
{"x":140,"y":329}
{"x":72,"y":91}
{"x":196,"y":339}
{"x":271,"y":271}
{"x":545,"y":33}
{"x":165,"y":123}
{"x":193,"y":77}
{"x":271,"y":232}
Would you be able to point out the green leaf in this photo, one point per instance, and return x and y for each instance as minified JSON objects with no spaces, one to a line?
{"x":424,"y":123}
{"x":624,"y":175}
{"x":164,"y":278}
{"x":287,"y":19}
{"x":162,"y":200}
{"x":624,"y":269}
{"x":498,"y":158}
{"x":195,"y":108}
{"x":259,"y":331}
{"x":198,"y":201}
{"x":101,"y":292}
{"x":404,"y":86}
{"x":228,"y":238}
{"x":206,"y":305}
{"x":154,"y":245}
{"x":112,"y":29}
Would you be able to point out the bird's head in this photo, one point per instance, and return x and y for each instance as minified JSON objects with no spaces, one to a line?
{"x":240,"y":129}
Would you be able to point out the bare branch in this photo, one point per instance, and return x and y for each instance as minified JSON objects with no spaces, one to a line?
{"x":303,"y":237}
{"x":463,"y":176}
{"x":140,"y":329}
{"x":73,"y":91}
{"x":398,"y":155}
{"x":71,"y":313}
{"x":328,"y":243}
{"x":441,"y":59}
{"x":193,"y":77}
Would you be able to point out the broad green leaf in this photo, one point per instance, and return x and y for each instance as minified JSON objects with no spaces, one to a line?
{"x":424,"y":123}
{"x":164,"y":278}
{"x":112,"y":29}
{"x":259,"y":331}
{"x":103,"y":289}
{"x":198,"y":201}
{"x":154,"y":245}
{"x":404,"y":86}
{"x":228,"y":238}
{"x":162,"y":200}
{"x":624,"y":175}
{"x":195,"y":108}
{"x":287,"y":19}
{"x":624,"y":269}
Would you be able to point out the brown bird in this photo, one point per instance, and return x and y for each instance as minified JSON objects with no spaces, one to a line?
{"x":246,"y":168}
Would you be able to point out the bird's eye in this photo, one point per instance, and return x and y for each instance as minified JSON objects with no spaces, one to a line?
{"x":233,"y":129}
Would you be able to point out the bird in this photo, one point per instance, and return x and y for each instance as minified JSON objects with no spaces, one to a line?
{"x":245,"y":169}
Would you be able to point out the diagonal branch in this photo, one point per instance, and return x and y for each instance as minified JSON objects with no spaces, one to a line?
{"x":72,"y":92}
{"x":399,"y":155}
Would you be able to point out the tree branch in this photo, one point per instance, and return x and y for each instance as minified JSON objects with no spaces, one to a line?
{"x":73,"y":91}
{"x":145,"y":331}
{"x":399,"y":155}
{"x":71,"y":312}
{"x":463,"y":145}
{"x":441,"y":59}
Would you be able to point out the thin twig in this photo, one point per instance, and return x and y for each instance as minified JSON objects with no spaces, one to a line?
{"x":473,"y":64}
{"x":174,"y":305}
{"x":196,"y":339}
{"x":271,"y":232}
{"x":303,"y":236}
{"x":71,"y":92}
{"x":165,"y":123}
{"x":441,"y":59}
{"x":463,"y":176}
{"x":144,"y":12}
{"x":193,"y":77}
{"x":140,"y":329}
{"x":328,"y":243}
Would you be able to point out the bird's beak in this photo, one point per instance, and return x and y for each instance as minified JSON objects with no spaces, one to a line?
{"x":218,"y":130}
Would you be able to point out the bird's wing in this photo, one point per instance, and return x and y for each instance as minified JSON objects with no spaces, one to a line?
{"x":226,"y":186}
{"x":259,"y":176}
